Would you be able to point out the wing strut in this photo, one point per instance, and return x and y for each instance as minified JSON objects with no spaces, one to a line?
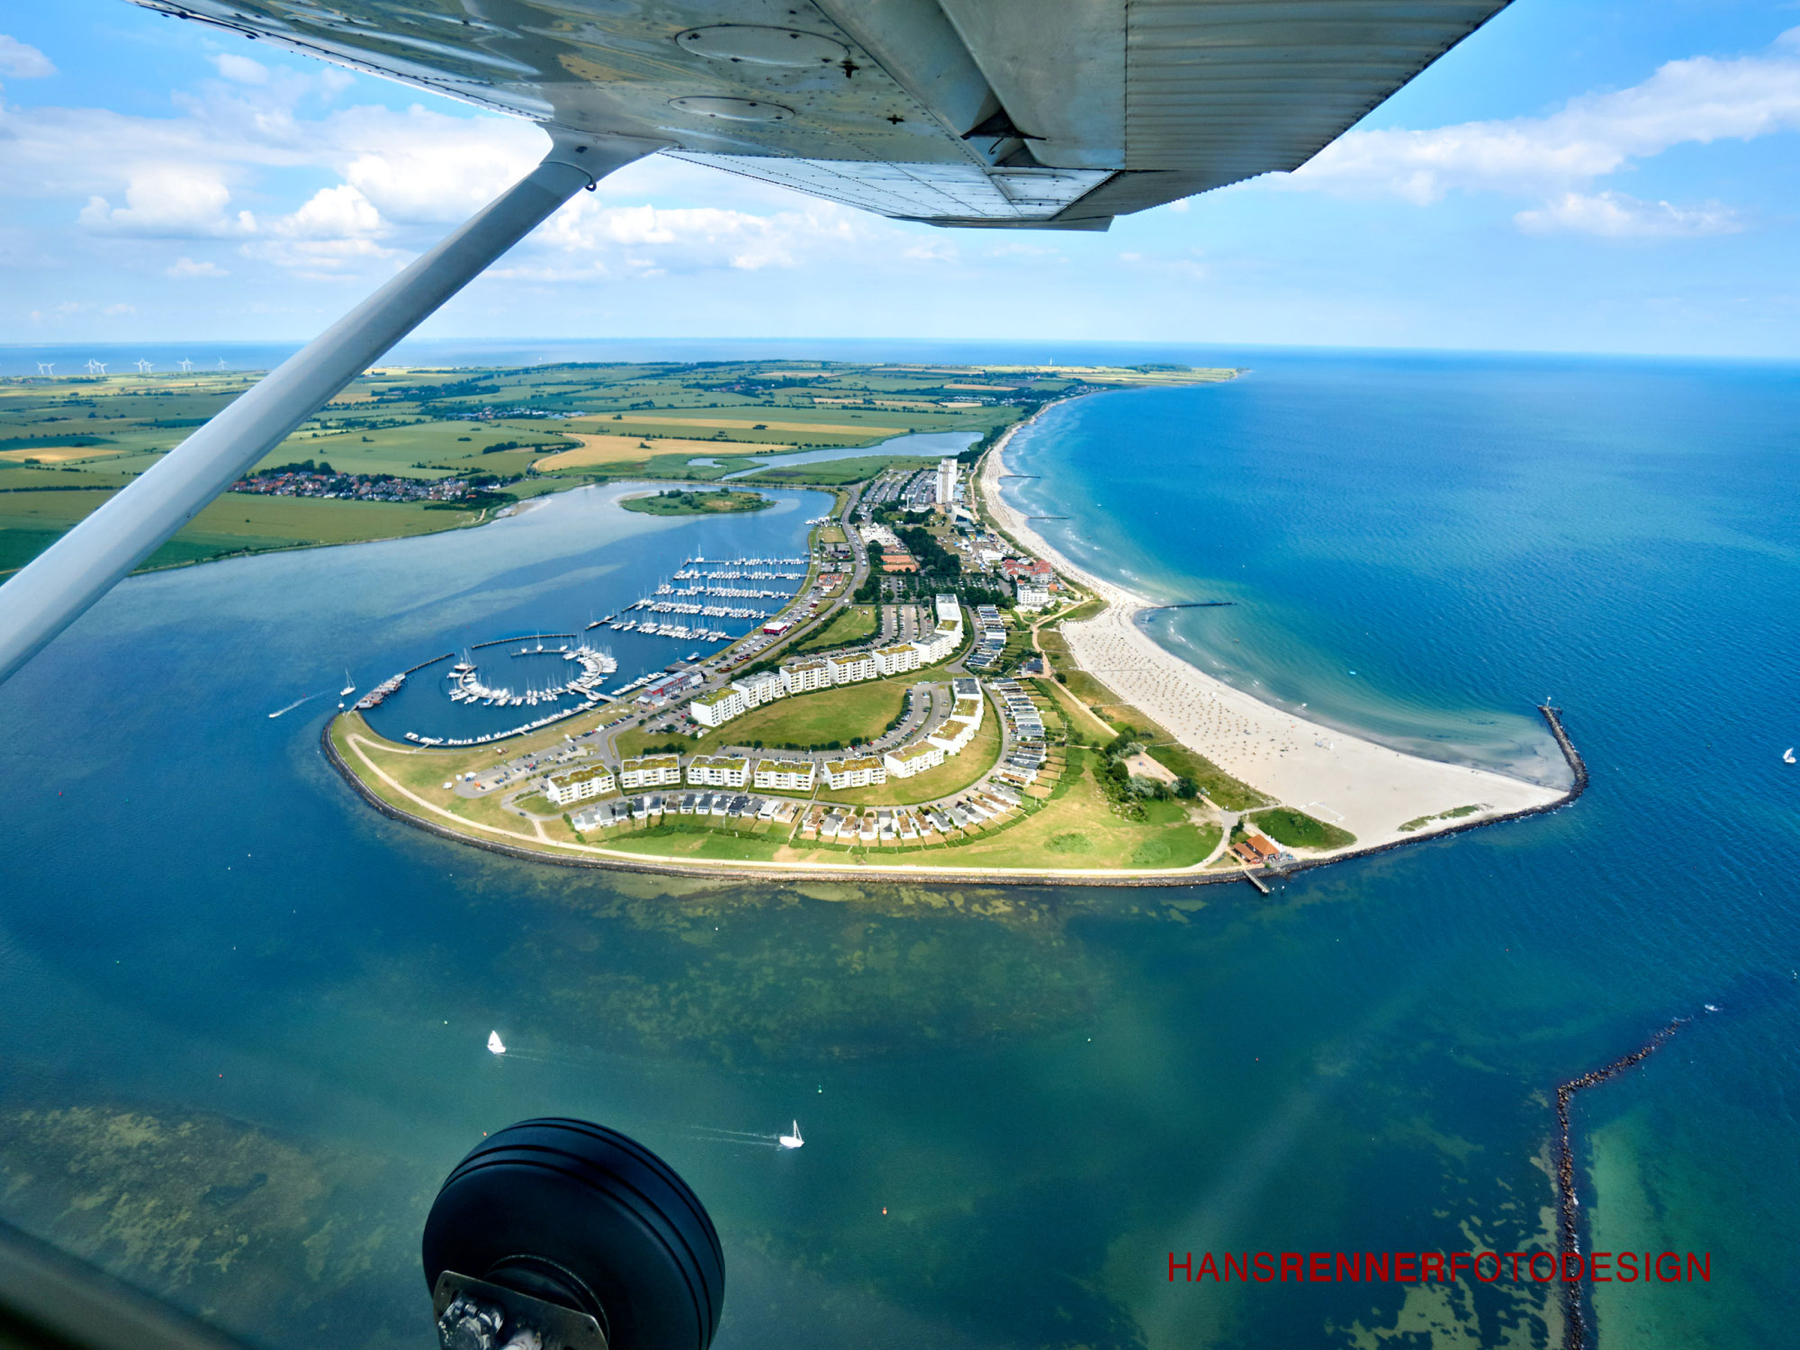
{"x":57,"y":587}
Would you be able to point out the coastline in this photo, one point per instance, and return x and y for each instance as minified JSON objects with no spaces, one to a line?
{"x":1369,"y":789}
{"x":561,"y":854}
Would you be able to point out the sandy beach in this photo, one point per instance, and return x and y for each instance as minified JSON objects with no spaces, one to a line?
{"x":1368,"y":789}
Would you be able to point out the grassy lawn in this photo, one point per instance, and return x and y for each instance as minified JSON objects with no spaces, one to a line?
{"x":238,"y":522}
{"x":1456,"y":813}
{"x":851,"y":710}
{"x":687,"y":839}
{"x":1085,"y":687}
{"x":855,"y":624}
{"x":638,"y":742}
{"x":953,"y":775}
{"x":1227,"y":791}
{"x":836,"y":472}
{"x":1296,"y":829}
{"x":1077,"y":827}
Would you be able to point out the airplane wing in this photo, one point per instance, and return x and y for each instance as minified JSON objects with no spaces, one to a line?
{"x":1041,"y":114}
{"x":1053,"y":114}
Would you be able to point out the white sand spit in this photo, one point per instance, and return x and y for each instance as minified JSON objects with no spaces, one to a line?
{"x":1368,"y":789}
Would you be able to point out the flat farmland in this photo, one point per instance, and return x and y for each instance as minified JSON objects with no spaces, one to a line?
{"x":606,"y":450}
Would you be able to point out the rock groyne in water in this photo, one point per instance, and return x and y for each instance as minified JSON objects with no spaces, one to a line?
{"x":1568,"y":1236}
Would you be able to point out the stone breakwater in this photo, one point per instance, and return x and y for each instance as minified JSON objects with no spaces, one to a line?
{"x":1568,"y":1237}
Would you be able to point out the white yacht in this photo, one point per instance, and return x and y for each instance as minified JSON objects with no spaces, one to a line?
{"x":495,"y":1044}
{"x":792,"y":1140}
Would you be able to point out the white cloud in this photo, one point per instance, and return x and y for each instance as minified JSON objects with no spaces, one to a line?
{"x":169,"y":201}
{"x":186,"y":269}
{"x":70,"y":308}
{"x":1698,"y":100}
{"x":396,"y":178}
{"x":1614,"y":215}
{"x":605,"y":238}
{"x":241,"y":69}
{"x":426,"y":167}
{"x":1701,"y":99}
{"x":22,"y":61}
{"x":332,"y":213}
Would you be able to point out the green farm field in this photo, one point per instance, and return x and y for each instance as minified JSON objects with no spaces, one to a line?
{"x":427,"y":424}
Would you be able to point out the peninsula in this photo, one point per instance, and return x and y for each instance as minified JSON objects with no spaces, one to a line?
{"x":945,"y":697}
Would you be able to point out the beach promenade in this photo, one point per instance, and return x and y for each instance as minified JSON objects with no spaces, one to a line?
{"x":1368,"y":789}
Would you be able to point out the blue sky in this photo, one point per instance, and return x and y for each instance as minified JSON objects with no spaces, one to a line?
{"x":1577,"y":176}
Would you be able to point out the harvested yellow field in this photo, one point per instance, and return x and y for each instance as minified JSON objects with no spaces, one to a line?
{"x":750,"y":424}
{"x":630,"y":449}
{"x":56,"y":454}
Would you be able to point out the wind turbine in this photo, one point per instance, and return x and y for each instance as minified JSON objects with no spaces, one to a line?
{"x":100,"y":366}
{"x":46,"y":367}
{"x":186,"y":365}
{"x":145,"y":367}
{"x":221,"y":363}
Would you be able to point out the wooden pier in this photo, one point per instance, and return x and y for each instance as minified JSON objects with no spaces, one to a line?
{"x":1255,"y":881}
{"x":434,"y":660}
{"x":534,"y":637}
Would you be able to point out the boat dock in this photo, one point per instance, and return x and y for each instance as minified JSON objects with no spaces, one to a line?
{"x":529,"y":637}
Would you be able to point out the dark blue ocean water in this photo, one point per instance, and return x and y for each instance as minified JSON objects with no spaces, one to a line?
{"x":243,"y":1017}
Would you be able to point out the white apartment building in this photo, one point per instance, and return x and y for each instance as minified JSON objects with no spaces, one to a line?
{"x":946,"y":481}
{"x":897,"y":660}
{"x":851,"y":667}
{"x":719,"y":707}
{"x":855,"y":773}
{"x":763,"y":687}
{"x":804,"y":676}
{"x":1032,"y":598}
{"x":651,"y":771}
{"x":940,"y":645}
{"x":953,"y":736}
{"x":948,"y":610}
{"x":731,"y":771}
{"x":564,"y":788}
{"x":786,"y":775}
{"x":914,"y":758}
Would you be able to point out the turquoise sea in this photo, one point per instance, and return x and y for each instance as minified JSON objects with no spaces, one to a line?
{"x":244,"y":1017}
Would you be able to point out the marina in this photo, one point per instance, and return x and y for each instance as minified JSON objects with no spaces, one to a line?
{"x":558,"y":671}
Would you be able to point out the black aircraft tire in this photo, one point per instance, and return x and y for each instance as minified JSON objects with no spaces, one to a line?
{"x":581,"y":1215}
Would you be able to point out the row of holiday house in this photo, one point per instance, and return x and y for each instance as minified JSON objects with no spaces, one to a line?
{"x":716,"y":708}
{"x":775,"y":774}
